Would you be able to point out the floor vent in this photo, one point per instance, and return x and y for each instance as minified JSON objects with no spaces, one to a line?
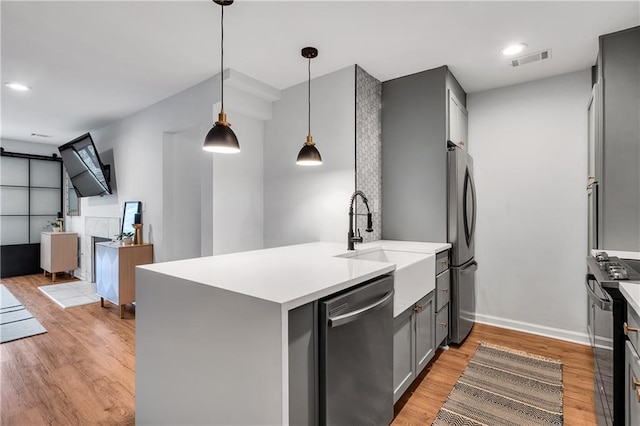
{"x":533,"y":57}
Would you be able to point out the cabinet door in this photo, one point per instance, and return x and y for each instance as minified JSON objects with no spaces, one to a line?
{"x":453,"y":125}
{"x":107,"y":273}
{"x":457,"y":126}
{"x":632,"y":391}
{"x":425,"y":332}
{"x":403,"y":353}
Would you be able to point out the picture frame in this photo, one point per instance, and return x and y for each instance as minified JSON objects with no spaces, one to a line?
{"x":131,"y":208}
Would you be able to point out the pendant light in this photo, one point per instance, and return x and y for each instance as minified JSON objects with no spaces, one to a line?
{"x":309,"y":154}
{"x":221,"y":138}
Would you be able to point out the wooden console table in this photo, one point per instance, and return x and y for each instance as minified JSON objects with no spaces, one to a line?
{"x":115,"y":271}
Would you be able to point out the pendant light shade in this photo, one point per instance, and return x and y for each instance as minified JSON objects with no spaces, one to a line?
{"x":221,"y":138}
{"x":309,"y":154}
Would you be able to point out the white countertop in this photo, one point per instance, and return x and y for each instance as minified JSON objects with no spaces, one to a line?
{"x":293,"y":275}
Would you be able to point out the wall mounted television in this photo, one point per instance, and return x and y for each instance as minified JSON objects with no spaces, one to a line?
{"x":88,"y":175}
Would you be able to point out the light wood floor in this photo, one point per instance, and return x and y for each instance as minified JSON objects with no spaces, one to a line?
{"x":82,"y":371}
{"x":420,"y":404}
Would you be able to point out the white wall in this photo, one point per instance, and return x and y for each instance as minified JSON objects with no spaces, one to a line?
{"x":136,"y":144}
{"x":182,"y":194}
{"x":139,"y":146}
{"x":303,"y":204}
{"x":529,"y":144}
{"x":238,"y":221}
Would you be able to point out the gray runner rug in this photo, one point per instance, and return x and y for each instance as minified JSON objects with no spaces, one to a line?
{"x":15,"y":321}
{"x":502,"y":386}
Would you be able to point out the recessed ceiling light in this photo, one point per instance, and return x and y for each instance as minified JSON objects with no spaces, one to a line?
{"x":513,"y":49}
{"x":17,"y":86}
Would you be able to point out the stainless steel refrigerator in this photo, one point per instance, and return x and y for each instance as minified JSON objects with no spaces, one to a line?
{"x":461,"y":224}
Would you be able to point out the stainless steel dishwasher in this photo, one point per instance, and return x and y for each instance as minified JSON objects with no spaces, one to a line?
{"x":356,"y":355}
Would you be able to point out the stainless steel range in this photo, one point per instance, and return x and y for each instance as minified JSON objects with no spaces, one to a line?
{"x":607,"y":312}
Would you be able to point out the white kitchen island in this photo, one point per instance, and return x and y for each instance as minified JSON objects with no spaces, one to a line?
{"x":212,"y":333}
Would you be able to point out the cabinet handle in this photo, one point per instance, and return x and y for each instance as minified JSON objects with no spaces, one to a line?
{"x":634,"y":382}
{"x":444,"y":325}
{"x":627,"y":329}
{"x":461,"y":143}
{"x":443,"y":262}
{"x":418,"y":308}
{"x":444,"y":290}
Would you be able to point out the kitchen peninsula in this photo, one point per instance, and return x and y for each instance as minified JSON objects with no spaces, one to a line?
{"x":212,"y":333}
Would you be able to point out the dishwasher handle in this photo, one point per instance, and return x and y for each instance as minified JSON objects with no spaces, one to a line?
{"x":604,"y":304}
{"x":359,"y":313}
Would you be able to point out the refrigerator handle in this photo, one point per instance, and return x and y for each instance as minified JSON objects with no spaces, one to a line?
{"x":471,"y":267}
{"x":475,"y":203}
{"x":469,"y":187}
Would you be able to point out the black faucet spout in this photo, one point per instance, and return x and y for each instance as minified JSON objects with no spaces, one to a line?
{"x":351,"y":236}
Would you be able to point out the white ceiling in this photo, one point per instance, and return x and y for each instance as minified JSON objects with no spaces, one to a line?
{"x":91,"y":63}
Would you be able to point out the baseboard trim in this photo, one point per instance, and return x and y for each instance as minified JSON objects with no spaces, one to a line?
{"x":540,"y":330}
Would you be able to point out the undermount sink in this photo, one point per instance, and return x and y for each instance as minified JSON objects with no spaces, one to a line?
{"x":414,"y":276}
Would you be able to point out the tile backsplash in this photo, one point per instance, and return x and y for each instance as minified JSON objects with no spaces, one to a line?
{"x":369,"y":150}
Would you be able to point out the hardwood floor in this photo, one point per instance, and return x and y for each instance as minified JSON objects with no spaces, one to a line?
{"x":420,"y":404}
{"x":82,"y":371}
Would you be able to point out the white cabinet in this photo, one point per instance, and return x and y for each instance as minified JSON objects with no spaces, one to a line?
{"x":458,"y":121}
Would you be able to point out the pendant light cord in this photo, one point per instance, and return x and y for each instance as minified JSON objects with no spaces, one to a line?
{"x":309,"y":97}
{"x":222,"y":56}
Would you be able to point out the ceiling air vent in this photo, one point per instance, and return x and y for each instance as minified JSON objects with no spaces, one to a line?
{"x":533,"y":57}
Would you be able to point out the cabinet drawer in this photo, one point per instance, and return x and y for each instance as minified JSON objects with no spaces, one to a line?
{"x":633,"y":321}
{"x":632,"y":392}
{"x":442,"y":325}
{"x":442,"y":289}
{"x":442,"y":261}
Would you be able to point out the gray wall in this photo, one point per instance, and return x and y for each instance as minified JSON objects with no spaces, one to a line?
{"x":304,"y":204}
{"x":529,"y":144}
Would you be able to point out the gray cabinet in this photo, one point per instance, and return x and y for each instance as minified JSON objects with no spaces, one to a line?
{"x":614,"y":144}
{"x":443,"y":296}
{"x":404,"y":370}
{"x":416,"y":124}
{"x":413,"y":343}
{"x":632,"y":386}
{"x":425,"y":337}
{"x":457,"y":121}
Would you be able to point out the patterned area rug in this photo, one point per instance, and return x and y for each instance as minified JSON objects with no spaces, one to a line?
{"x":502,"y":386}
{"x":15,"y":321}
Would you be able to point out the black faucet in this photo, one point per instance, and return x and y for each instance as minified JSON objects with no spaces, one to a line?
{"x":351,"y":237}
